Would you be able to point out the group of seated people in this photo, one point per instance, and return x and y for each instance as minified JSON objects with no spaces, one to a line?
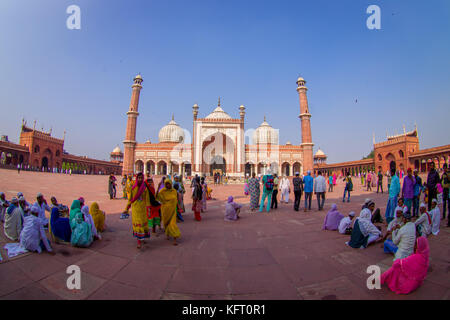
{"x":27,"y":224}
{"x":405,"y":239}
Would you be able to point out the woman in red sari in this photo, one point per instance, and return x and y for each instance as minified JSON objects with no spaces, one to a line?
{"x":407,"y":274}
{"x":153,"y":210}
{"x":197,"y":194}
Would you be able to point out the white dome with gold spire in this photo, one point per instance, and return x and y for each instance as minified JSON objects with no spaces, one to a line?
{"x":320,"y":153}
{"x":218,"y":113}
{"x":172,"y":132}
{"x":265,"y":134}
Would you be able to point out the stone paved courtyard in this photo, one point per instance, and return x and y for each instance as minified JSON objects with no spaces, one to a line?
{"x":278,"y":255}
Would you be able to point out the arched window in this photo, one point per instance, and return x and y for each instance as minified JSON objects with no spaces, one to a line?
{"x":380,"y":157}
{"x":37,"y":149}
{"x":401,"y":154}
{"x":58,"y":153}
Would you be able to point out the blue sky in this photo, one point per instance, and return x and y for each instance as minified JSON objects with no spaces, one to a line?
{"x":247,"y":52}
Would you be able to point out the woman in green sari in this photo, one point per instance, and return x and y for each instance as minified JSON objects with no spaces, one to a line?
{"x":81,"y":230}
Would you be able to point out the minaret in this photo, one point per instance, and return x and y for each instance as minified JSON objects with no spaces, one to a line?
{"x":130,"y":135}
{"x":305,"y":116}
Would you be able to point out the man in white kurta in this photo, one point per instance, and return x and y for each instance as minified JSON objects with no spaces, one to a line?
{"x":346,"y":224}
{"x":13,"y":220}
{"x":42,"y":205}
{"x":435,"y":217}
{"x":285,"y":187}
{"x":405,"y":237}
{"x":424,"y":221}
{"x":33,"y":233}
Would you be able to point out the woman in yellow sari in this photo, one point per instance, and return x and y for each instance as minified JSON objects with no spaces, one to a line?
{"x":98,"y":216}
{"x":138,"y":200}
{"x":129,"y":185}
{"x":168,"y":198}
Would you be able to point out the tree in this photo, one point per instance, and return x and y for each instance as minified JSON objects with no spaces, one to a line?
{"x":371,"y":155}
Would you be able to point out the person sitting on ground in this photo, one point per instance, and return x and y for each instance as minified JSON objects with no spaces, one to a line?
{"x":33,"y":236}
{"x":232,"y":210}
{"x":88,"y":218}
{"x":20,"y":194}
{"x":403,"y":238}
{"x":81,"y":199}
{"x":13,"y":220}
{"x":41,"y":203}
{"x":98,"y":216}
{"x":81,"y":230}
{"x":364,"y":232}
{"x":345,"y":226}
{"x":407,"y":274}
{"x":60,"y":226}
{"x":435,"y":217}
{"x":332,"y":219}
{"x":424,"y":222}
{"x":398,"y":221}
{"x":4,"y":204}
{"x":23,"y":206}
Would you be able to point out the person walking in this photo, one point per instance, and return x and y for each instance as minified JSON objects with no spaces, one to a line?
{"x":330,"y":183}
{"x":394,"y":191}
{"x":320,"y":188}
{"x":267,"y":182}
{"x":408,"y":189}
{"x":348,"y":187}
{"x":285,"y":187}
{"x":369,"y":181}
{"x":418,"y":186}
{"x":274,"y":204}
{"x":298,"y":190}
{"x":445,"y":181}
{"x":380,"y":181}
{"x":308,"y":182}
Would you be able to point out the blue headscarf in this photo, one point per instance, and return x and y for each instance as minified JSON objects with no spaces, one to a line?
{"x":11,"y":208}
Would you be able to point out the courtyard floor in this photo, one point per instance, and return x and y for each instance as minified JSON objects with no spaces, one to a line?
{"x":278,"y":255}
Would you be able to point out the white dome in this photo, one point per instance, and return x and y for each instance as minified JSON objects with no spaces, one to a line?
{"x":218,"y":113}
{"x":171,"y":132}
{"x":319,"y":153}
{"x":117,"y":150}
{"x":265,"y":134}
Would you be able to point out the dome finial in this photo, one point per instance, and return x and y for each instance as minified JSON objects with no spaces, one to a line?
{"x":173,"y":116}
{"x":265,"y":118}
{"x":218,"y":103}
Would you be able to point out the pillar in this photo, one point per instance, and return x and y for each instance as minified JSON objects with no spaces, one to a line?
{"x":130,"y":135}
{"x":305,"y":119}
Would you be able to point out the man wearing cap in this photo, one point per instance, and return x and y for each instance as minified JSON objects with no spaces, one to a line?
{"x":435,"y":217}
{"x":42,"y":205}
{"x":394,"y":191}
{"x":13,"y":220}
{"x":424,"y":222}
{"x":417,"y":191}
{"x":404,"y":238}
{"x":408,"y":189}
{"x":445,"y":181}
{"x":345,"y":226}
{"x":308,"y":181}
{"x":320,"y":187}
{"x":33,"y":236}
{"x":298,"y":190}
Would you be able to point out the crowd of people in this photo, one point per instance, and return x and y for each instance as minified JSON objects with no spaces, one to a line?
{"x":409,"y":219}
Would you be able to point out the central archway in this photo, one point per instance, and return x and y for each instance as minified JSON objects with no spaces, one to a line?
{"x":218,"y":153}
{"x":218,"y":164}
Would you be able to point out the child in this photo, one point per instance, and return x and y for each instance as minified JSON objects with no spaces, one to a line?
{"x":440,"y":192}
{"x":232,"y":210}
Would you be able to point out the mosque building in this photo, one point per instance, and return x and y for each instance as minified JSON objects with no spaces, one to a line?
{"x":217,"y":144}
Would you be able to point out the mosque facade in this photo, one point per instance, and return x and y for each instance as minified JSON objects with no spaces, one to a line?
{"x":218,"y":143}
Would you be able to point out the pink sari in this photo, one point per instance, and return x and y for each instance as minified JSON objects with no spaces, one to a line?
{"x":407,"y":274}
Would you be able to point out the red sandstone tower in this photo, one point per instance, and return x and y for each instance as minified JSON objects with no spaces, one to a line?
{"x":305,"y":117}
{"x":130,"y":135}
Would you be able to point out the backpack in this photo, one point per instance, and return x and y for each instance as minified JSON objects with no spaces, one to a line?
{"x":350,"y":185}
{"x":269,"y":183}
